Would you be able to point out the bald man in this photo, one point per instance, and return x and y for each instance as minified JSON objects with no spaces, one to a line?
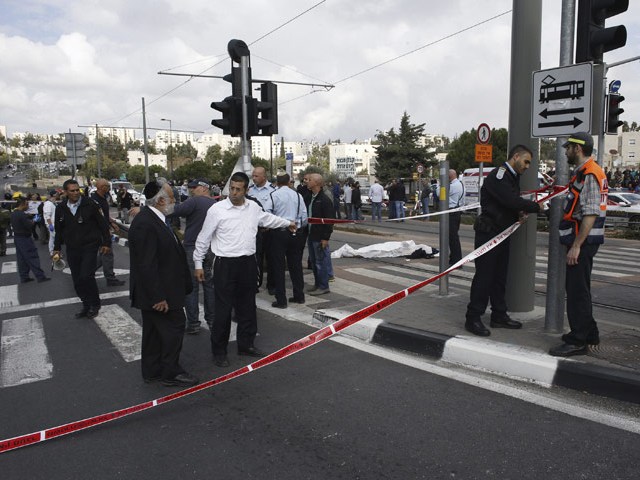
{"x":105,"y":259}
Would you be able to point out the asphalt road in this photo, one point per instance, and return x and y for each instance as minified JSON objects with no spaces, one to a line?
{"x":331,"y":411}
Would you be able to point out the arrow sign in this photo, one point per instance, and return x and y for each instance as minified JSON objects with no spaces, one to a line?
{"x":575,"y":122}
{"x":545,"y":113}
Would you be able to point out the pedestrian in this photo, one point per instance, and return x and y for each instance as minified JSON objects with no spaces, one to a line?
{"x":194,"y":209}
{"x":356,"y":201}
{"x":397,"y":198}
{"x":8,"y":205}
{"x":319,"y":234}
{"x":581,"y":232}
{"x":336,"y":191}
{"x":287,"y":247}
{"x":348,"y":205}
{"x":160,"y":280}
{"x":435,"y":192}
{"x":26,"y":251}
{"x":456,"y":200}
{"x":303,"y":189}
{"x":48,"y":214}
{"x":261,"y":190}
{"x":5,"y":224}
{"x":125,"y":202}
{"x":229,"y":231}
{"x":376,"y":195}
{"x":501,"y":206}
{"x":81,"y":226}
{"x":106,"y":259}
{"x":425,"y":198}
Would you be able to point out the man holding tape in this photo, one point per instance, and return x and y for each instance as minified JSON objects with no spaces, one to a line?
{"x":582,"y":232}
{"x":501,"y":205}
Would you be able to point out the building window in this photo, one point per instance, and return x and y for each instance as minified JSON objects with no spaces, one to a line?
{"x":632,"y":141}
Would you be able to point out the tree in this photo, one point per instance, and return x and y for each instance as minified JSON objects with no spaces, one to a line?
{"x":111,"y":148}
{"x":319,"y":157}
{"x":213,"y":156}
{"x":195,"y":170}
{"x":134,"y":145}
{"x":547,"y":149}
{"x":30,"y":140}
{"x":398,"y":154}
{"x":461,"y":153}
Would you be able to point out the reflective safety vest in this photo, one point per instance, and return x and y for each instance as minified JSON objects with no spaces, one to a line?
{"x":569,"y":226}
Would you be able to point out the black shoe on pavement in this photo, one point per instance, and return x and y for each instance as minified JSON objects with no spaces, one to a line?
{"x":82,"y":313}
{"x":92,"y":313}
{"x":44,"y":279}
{"x":114,"y":282}
{"x":181,"y":380}
{"x":193,"y":330}
{"x":505,"y":322}
{"x":477,"y":328}
{"x":251,"y":352}
{"x":279,"y":305}
{"x":152,"y":379}
{"x":26,"y":280}
{"x":221,"y":361}
{"x":568,"y":350}
{"x":296,"y":300}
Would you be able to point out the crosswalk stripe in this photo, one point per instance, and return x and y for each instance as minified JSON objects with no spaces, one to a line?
{"x":416,"y":277}
{"x":24,"y":357}
{"x":390,"y":278}
{"x":8,"y":297}
{"x":123,"y":331}
{"x":600,"y":261}
{"x":54,"y":303}
{"x":9,"y":267}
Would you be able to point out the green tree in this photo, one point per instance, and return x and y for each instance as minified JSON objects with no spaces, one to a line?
{"x":111,"y":148}
{"x":195,"y":170}
{"x":213,"y":156}
{"x":547,"y":149}
{"x":398,"y":154}
{"x":134,"y":145}
{"x":319,"y":157}
{"x":30,"y":140}
{"x":461,"y":154}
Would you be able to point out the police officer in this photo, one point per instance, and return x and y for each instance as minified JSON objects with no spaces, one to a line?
{"x":501,"y":207}
{"x":582,"y":232}
{"x":261,"y":190}
{"x":287,"y":247}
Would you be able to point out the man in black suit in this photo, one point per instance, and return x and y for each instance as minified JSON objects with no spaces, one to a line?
{"x":160,"y":280}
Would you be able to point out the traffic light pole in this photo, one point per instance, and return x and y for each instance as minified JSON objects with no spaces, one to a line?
{"x":245,"y":144}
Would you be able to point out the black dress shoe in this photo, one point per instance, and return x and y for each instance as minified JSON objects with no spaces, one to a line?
{"x":296,"y":300}
{"x":251,"y":352}
{"x":152,"y":379}
{"x":181,"y":380}
{"x":114,"y":282}
{"x":505,"y":322}
{"x":477,"y":328}
{"x":568,"y":350}
{"x":279,"y":305}
{"x":92,"y":313}
{"x":44,"y":279}
{"x":82,"y":313}
{"x":26,"y":280}
{"x":221,"y":361}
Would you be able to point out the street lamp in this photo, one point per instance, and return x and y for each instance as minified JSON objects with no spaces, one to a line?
{"x":170,"y":157}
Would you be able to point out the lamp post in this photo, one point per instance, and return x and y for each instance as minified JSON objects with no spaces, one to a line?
{"x":170,"y":158}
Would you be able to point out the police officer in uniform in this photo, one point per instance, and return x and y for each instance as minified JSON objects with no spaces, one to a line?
{"x":501,"y":207}
{"x":582,"y":232}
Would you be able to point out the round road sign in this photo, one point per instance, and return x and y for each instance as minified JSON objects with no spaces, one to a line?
{"x":483,"y":134}
{"x":420,"y":169}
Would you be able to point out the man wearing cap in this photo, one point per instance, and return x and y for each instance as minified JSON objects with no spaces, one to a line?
{"x":502,"y":206}
{"x":286,"y":247}
{"x":229,"y":231}
{"x":160,"y":281}
{"x":194,"y":209}
{"x":582,"y":232}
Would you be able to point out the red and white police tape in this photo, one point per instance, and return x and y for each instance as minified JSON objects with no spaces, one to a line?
{"x":295,"y":347}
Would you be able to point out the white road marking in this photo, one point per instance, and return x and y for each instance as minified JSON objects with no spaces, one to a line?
{"x":123,"y":331}
{"x":9,"y":267}
{"x":54,"y":303}
{"x":8,"y":297}
{"x":24,"y":357}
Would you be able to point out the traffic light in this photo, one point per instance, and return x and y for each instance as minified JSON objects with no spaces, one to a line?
{"x":263,"y":114}
{"x":613,"y":112}
{"x":235,"y":79}
{"x":592,"y":38}
{"x":231,"y":122}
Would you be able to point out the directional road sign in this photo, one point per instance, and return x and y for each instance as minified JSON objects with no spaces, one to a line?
{"x":562,"y":100}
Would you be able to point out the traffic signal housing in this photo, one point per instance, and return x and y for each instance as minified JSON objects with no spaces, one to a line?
{"x":231,"y":121}
{"x":613,"y":113}
{"x":592,"y":38}
{"x":263,"y":114}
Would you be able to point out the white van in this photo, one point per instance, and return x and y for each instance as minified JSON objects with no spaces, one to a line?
{"x":471,"y":179}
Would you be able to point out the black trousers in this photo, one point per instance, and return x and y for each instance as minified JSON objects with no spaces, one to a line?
{"x":83,"y":263}
{"x":263,"y":257}
{"x":162,"y":335}
{"x":455,"y":250}
{"x":234,"y":286}
{"x":490,"y":280}
{"x":286,"y":252}
{"x":579,"y":306}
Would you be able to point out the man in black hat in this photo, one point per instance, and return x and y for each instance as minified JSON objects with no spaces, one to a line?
{"x":160,"y":280}
{"x":582,"y":232}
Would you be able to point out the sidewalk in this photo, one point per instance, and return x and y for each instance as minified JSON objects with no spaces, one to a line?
{"x":428,"y":324}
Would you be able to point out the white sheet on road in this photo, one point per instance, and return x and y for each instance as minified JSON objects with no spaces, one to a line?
{"x":381,"y":250}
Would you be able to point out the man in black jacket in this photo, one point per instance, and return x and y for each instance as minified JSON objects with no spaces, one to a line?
{"x":80,"y":225}
{"x":160,"y":280}
{"x":502,"y":206}
{"x":319,"y":206}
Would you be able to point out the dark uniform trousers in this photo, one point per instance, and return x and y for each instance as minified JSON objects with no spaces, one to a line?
{"x":27,"y":257}
{"x":234,"y":286}
{"x":579,"y":307}
{"x":455,"y":250}
{"x":83,"y":263}
{"x":263,"y":256}
{"x":286,"y":252}
{"x":489,"y":282}
{"x":162,"y":335}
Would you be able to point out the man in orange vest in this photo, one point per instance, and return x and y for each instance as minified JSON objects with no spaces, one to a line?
{"x":582,"y":232}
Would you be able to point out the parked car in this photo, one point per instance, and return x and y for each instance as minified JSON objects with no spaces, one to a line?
{"x":625,"y":204}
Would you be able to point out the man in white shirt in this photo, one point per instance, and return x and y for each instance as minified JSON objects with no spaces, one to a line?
{"x":376,"y":195}
{"x":48,"y":213}
{"x":229,"y":230}
{"x":456,"y":199}
{"x":347,"y":199}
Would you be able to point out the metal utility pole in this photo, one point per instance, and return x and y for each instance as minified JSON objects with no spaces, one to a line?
{"x":169,"y":157}
{"x":526,"y":31}
{"x":557,"y":258}
{"x":98,"y":163}
{"x":444,"y":226}
{"x":146,"y":146}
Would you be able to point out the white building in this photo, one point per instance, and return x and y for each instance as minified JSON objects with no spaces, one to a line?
{"x":164,"y":138}
{"x":628,"y":150}
{"x":226,"y":142}
{"x":123,"y":134}
{"x":136,"y":157}
{"x":349,"y":159}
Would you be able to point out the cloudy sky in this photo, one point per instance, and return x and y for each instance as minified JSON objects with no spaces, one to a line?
{"x":66,"y":63}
